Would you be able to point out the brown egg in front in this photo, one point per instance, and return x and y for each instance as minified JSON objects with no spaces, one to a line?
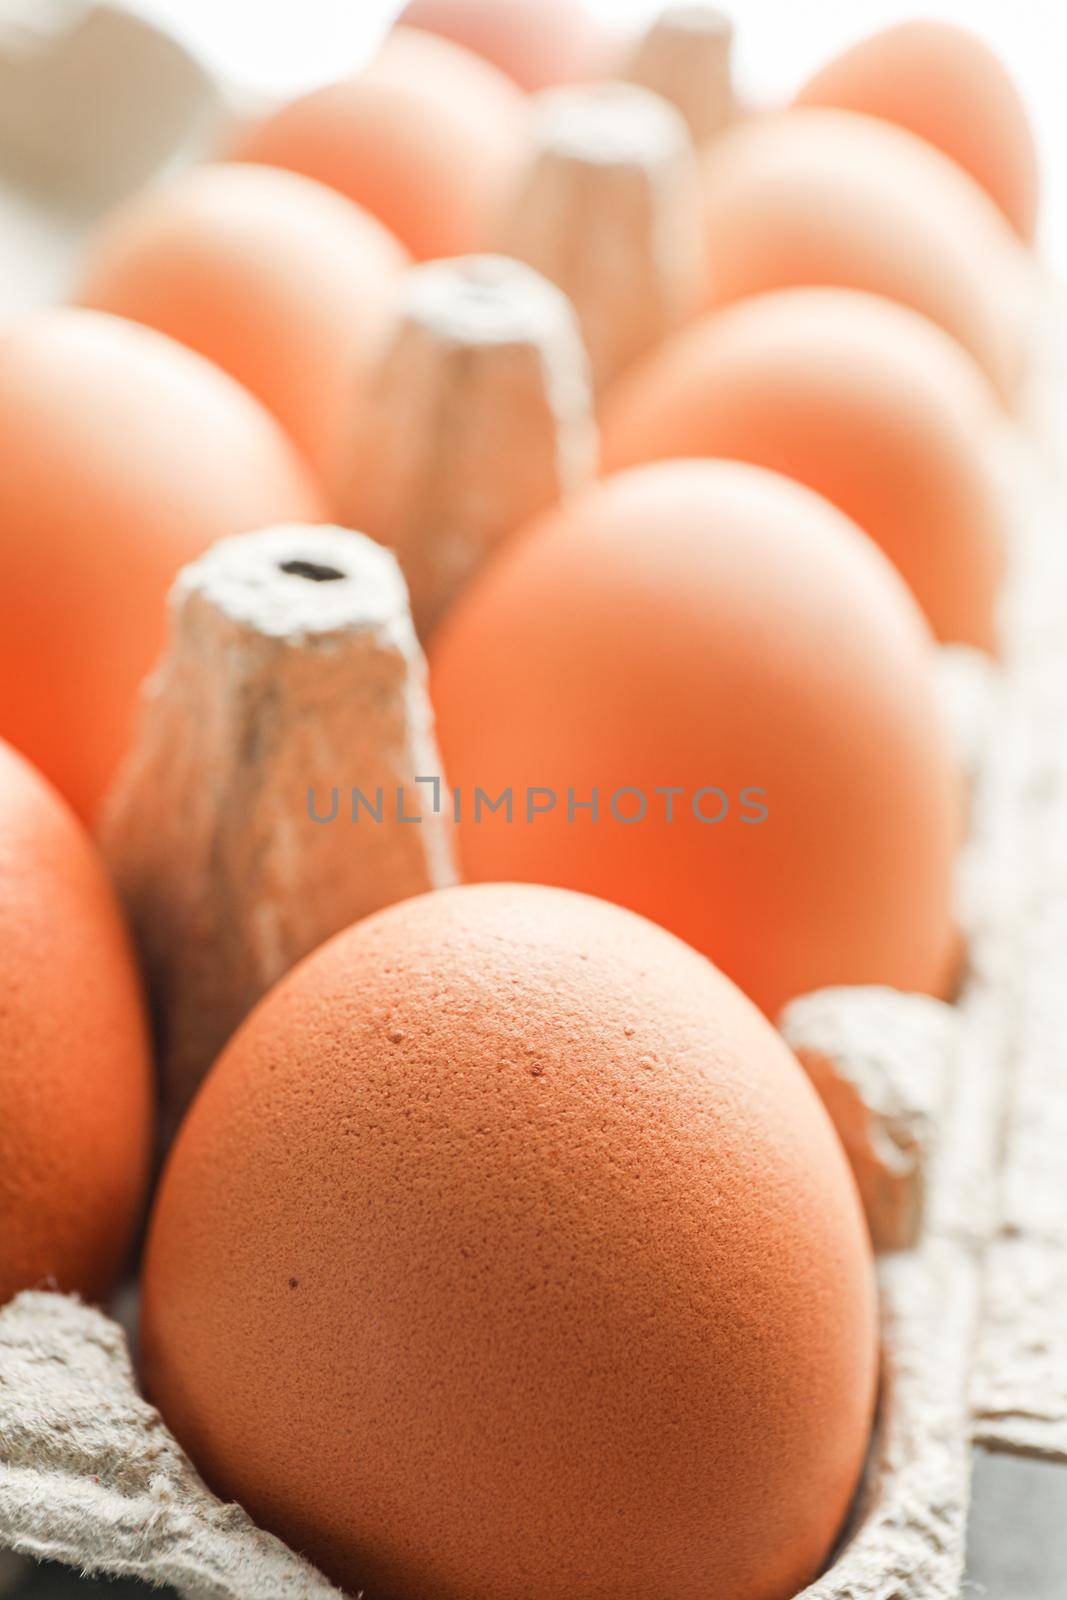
{"x":76,"y":1093}
{"x":507,"y":1251}
{"x":426,"y":139}
{"x":860,"y":399}
{"x":280,"y":280}
{"x":945,"y":84}
{"x":122,"y":456}
{"x":744,"y":683}
{"x":833,"y":198}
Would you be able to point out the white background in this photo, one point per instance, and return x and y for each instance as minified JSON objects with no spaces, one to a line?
{"x":280,"y":45}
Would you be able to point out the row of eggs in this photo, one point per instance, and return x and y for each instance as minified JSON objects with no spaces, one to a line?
{"x":609,"y":1204}
{"x":283,"y":282}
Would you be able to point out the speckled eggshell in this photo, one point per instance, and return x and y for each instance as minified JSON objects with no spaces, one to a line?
{"x":75,"y":1076}
{"x":507,"y":1252}
{"x":826,"y":197}
{"x":716,"y":629}
{"x":945,"y":84}
{"x":122,"y":456}
{"x":426,"y":139}
{"x":539,"y":43}
{"x":863,"y":400}
{"x":281,"y":281}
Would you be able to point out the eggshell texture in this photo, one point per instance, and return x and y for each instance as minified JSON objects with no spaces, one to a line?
{"x":713,"y":627}
{"x":832,"y":198}
{"x":121,"y":457}
{"x":75,"y":1084}
{"x":946,"y":85}
{"x":864,"y":401}
{"x":539,"y":43}
{"x":426,"y":139}
{"x":507,"y":1252}
{"x":281,"y":281}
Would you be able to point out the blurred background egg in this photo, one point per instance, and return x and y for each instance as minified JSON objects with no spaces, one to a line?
{"x":507,"y":1251}
{"x":713,"y":627}
{"x":945,"y":84}
{"x":823,"y":197}
{"x":860,"y":399}
{"x":122,"y":456}
{"x":426,"y":139}
{"x":539,"y":43}
{"x":280,"y":280}
{"x":75,"y":1073}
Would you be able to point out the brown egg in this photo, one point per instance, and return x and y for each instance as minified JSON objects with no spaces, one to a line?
{"x":122,"y":456}
{"x":860,"y":399}
{"x":833,"y":198}
{"x":539,"y":43}
{"x":507,"y":1252}
{"x":945,"y":84}
{"x":75,"y":1076}
{"x":279,"y":280}
{"x":426,"y":139}
{"x":747,"y":685}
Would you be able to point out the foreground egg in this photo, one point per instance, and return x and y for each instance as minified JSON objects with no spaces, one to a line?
{"x":75,"y":1077}
{"x":864,"y":401}
{"x":746,"y":684}
{"x":817,"y":197}
{"x":426,"y":139}
{"x":946,"y":85}
{"x":507,"y":1251}
{"x":279,"y":280}
{"x":539,"y":43}
{"x":122,"y":456}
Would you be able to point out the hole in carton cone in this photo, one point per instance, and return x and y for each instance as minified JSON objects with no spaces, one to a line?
{"x":314,"y":571}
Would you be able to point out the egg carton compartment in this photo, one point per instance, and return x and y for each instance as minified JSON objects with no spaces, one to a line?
{"x":954,"y":1117}
{"x":93,"y":101}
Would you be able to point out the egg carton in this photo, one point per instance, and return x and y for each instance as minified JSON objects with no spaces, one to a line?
{"x":94,"y":100}
{"x":954,"y":1119}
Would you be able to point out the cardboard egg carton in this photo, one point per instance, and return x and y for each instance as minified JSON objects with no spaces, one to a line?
{"x":927,"y":1097}
{"x":93,"y":101}
{"x":954,"y":1117}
